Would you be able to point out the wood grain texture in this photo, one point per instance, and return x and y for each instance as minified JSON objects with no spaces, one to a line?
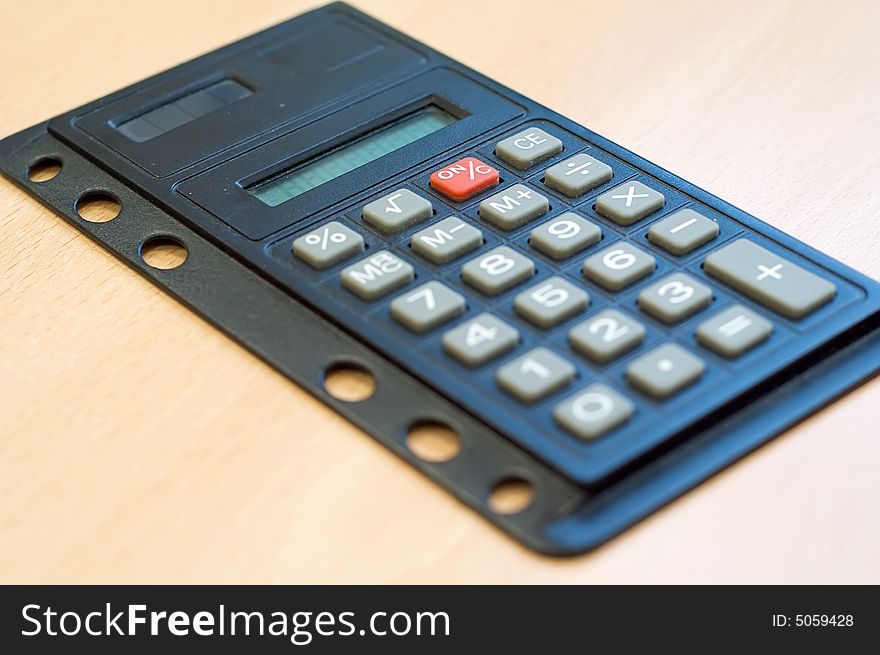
{"x":138,"y":444}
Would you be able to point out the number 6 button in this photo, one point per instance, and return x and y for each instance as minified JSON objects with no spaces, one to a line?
{"x":618,"y":266}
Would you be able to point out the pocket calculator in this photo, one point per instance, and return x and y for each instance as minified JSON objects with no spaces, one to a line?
{"x":585,"y":321}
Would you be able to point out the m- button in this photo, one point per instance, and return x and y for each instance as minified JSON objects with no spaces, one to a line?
{"x":463,"y":179}
{"x":766,"y":277}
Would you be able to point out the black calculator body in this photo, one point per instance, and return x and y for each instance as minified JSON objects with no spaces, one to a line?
{"x":585,"y":321}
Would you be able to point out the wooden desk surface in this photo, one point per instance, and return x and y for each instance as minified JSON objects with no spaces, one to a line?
{"x":138,"y":444}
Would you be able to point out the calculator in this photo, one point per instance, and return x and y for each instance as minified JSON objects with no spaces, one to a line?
{"x":587,"y":323}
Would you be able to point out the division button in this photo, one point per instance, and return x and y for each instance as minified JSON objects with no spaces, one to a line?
{"x":525,"y":149}
{"x":446,"y":240}
{"x":513,"y":207}
{"x":606,"y":336}
{"x":618,"y":266}
{"x":534,"y":375}
{"x":629,"y":202}
{"x":427,"y":306}
{"x":769,"y":279}
{"x":465,"y":178}
{"x":674,"y":298}
{"x":480,"y":340}
{"x":683,"y":231}
{"x":733,"y":331}
{"x":328,"y":245}
{"x":497,"y":270}
{"x":665,"y":371}
{"x":577,"y":175}
{"x":551,"y":302}
{"x":564,"y":236}
{"x":593,"y":411}
{"x":397,"y":211}
{"x":376,"y":275}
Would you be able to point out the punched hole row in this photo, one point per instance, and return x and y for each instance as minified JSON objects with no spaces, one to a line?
{"x":430,"y":440}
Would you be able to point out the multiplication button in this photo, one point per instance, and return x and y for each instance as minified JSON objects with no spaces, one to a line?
{"x":768,"y":278}
{"x":564,"y":236}
{"x":427,"y":306}
{"x":397,"y":211}
{"x":534,"y":375}
{"x":480,"y":340}
{"x":577,"y":175}
{"x":329,"y":244}
{"x":733,"y":331}
{"x":665,"y":371}
{"x":593,"y":411}
{"x":446,"y":240}
{"x":376,"y":275}
{"x":629,"y":202}
{"x":513,"y":207}
{"x":525,"y":149}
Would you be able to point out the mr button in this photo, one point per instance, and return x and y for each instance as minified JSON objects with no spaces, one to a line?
{"x":463,"y":179}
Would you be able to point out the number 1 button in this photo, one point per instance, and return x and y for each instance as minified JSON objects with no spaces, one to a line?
{"x":536,"y":374}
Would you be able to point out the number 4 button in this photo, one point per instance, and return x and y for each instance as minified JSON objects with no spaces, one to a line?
{"x":480,"y":340}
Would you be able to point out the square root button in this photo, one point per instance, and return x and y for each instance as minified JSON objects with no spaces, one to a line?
{"x":397,"y":211}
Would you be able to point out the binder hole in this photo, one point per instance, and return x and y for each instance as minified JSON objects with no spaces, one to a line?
{"x":511,"y":496}
{"x":97,"y":207}
{"x":349,"y":382}
{"x":44,"y":169}
{"x":164,"y":253}
{"x":433,"y":441}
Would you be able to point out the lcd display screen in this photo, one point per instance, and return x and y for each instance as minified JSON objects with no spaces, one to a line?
{"x":350,"y":156}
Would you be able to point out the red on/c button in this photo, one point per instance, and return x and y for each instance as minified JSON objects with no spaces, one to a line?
{"x":464,"y":178}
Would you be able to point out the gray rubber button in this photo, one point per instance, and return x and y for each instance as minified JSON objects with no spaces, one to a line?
{"x":734,"y":331}
{"x":550,"y":302}
{"x":674,"y":298}
{"x":769,"y":279}
{"x":497,"y":270}
{"x":564,"y":236}
{"x":618,"y":266}
{"x":534,"y":375}
{"x":329,"y":244}
{"x":397,"y":211}
{"x":606,"y":336}
{"x":577,"y":175}
{"x":427,"y":306}
{"x":480,"y":340}
{"x":594,"y":411}
{"x":525,"y":149}
{"x":629,"y":202}
{"x":513,"y":207}
{"x":378,"y":274}
{"x":446,"y":240}
{"x":664,"y":371}
{"x":683,"y":231}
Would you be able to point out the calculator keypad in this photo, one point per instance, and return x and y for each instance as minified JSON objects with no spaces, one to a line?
{"x":564,"y":236}
{"x":446,"y":240}
{"x":534,"y":375}
{"x":629,"y":202}
{"x":427,"y":306}
{"x":397,"y":211}
{"x":377,"y":275}
{"x":551,"y":302}
{"x":508,"y":278}
{"x":480,"y":340}
{"x":527,"y":148}
{"x":618,"y":266}
{"x":683,"y":231}
{"x":513,"y":207}
{"x":577,"y":175}
{"x":771,"y":280}
{"x":733,"y":331}
{"x":497,"y":270}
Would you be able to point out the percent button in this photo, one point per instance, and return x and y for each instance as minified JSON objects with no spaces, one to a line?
{"x":329,"y":244}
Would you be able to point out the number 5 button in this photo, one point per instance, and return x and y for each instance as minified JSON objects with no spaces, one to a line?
{"x":550,"y":302}
{"x":427,"y":306}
